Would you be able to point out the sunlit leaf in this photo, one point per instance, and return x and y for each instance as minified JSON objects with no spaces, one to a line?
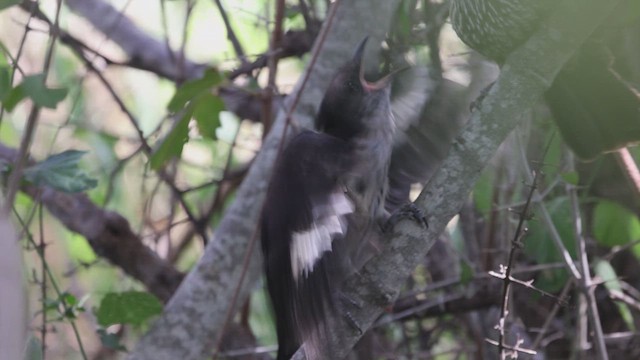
{"x":611,"y":281}
{"x":207,"y":114}
{"x":132,"y":307}
{"x":61,"y":172}
{"x":172,"y":145}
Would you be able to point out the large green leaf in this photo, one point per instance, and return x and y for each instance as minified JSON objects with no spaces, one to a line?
{"x":539,"y":246}
{"x":191,"y":90}
{"x":33,"y":87}
{"x":173,"y":143}
{"x":61,"y":172}
{"x":614,"y":225}
{"x":206,"y":111}
{"x":131,"y":307}
{"x":538,"y":243}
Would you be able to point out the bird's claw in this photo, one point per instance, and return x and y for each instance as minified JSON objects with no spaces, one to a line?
{"x":347,"y":315}
{"x":410,"y":211}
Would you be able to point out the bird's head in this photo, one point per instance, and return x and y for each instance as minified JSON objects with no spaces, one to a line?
{"x":352,"y":105}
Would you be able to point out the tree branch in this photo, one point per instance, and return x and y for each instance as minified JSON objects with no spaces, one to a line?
{"x":108,"y":233}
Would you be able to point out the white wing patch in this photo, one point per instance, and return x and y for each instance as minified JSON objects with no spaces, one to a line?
{"x":328,"y":220}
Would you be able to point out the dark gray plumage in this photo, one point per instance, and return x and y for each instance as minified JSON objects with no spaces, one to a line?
{"x":326,"y":196}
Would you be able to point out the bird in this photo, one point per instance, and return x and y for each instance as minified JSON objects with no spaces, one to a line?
{"x":594,"y":109}
{"x":325,"y":204}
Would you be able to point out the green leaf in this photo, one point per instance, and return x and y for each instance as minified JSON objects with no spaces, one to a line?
{"x":132,"y":307}
{"x":539,"y":246}
{"x":61,"y":172}
{"x":614,"y":225}
{"x":12,"y":99}
{"x":172,"y":145}
{"x":207,"y":114}
{"x":8,"y":3}
{"x":538,"y":243}
{"x":110,"y":341}
{"x":571,"y":177}
{"x":33,"y":86}
{"x":193,"y":89}
{"x":611,"y":281}
{"x":5,"y":82}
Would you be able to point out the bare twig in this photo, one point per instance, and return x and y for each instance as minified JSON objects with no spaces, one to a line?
{"x":231,"y":34}
{"x":13,"y":183}
{"x":585,"y":282}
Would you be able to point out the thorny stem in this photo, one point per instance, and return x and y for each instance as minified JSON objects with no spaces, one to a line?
{"x":54,"y":284}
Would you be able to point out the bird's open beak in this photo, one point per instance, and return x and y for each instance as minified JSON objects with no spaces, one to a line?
{"x":376,"y":85}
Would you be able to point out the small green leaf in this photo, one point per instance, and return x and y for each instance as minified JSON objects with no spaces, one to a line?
{"x":173,"y":143}
{"x":611,"y":281}
{"x":614,"y":225}
{"x":110,"y":341}
{"x":207,"y":114}
{"x":193,"y":89}
{"x":61,"y":172}
{"x":571,"y":177}
{"x":132,"y":307}
{"x":5,"y":82}
{"x":13,"y":97}
{"x":34,"y":87}
{"x":8,"y":3}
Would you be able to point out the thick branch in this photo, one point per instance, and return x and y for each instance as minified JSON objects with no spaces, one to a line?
{"x":109,"y":235}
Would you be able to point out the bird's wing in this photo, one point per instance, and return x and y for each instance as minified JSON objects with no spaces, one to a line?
{"x":305,"y":212}
{"x":425,"y":143}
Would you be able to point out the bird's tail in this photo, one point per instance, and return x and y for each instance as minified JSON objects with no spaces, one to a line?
{"x":595,"y":110}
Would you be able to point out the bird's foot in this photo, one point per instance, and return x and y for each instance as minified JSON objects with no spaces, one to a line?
{"x":347,"y":315}
{"x":475,"y":104}
{"x":410,"y":211}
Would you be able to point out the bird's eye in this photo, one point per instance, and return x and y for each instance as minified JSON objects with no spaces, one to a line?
{"x":352,"y":85}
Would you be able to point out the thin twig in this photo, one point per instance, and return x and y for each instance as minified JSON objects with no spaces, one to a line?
{"x":585,"y":282}
{"x":231,"y":34}
{"x":54,"y":286}
{"x":13,"y":184}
